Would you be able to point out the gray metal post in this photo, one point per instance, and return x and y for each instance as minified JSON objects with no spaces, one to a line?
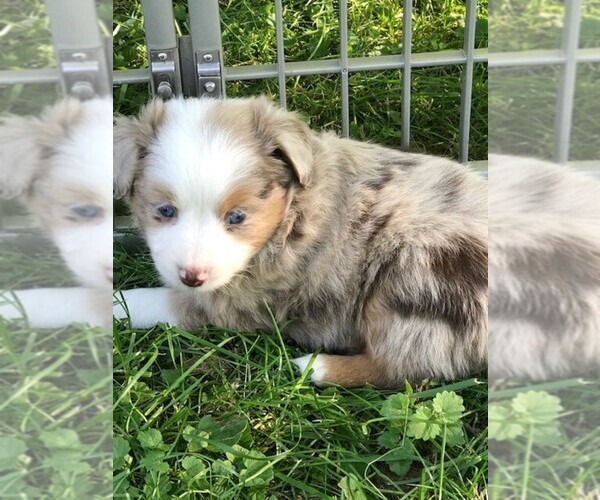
{"x":280,"y":54}
{"x":406,"y":71}
{"x":466,"y":97}
{"x":566,"y":89}
{"x":344,"y":64}
{"x":163,"y":53}
{"x":205,"y":31}
{"x":83,"y":66}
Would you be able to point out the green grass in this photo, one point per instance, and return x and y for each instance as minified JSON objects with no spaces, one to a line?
{"x":55,"y":425}
{"x":222,"y":414}
{"x":55,"y":430}
{"x":550,"y":449}
{"x":27,"y":43}
{"x":55,"y":388}
{"x":282,"y":437}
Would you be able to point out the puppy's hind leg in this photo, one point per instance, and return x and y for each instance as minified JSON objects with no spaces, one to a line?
{"x":345,"y":371}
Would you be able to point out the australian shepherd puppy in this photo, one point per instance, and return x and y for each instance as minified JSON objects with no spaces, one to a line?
{"x":376,"y":257}
{"x":58,"y":165}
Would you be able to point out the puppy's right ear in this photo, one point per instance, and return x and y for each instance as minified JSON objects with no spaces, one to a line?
{"x":20,"y":155}
{"x":284,"y":136}
{"x":131,"y":138}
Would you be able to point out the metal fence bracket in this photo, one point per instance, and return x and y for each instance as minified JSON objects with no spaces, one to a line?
{"x":164,"y":66}
{"x":163,"y":53}
{"x":83,"y":67}
{"x":210,"y":78}
{"x":84,"y":72}
{"x":207,"y":49}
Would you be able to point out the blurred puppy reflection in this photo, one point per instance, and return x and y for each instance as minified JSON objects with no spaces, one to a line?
{"x":59,"y":166}
{"x":544,"y":270}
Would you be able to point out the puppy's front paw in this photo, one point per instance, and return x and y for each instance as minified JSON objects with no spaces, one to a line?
{"x":318,"y":367}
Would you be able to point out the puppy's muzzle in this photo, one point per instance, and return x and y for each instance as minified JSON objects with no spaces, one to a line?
{"x":193,"y":276}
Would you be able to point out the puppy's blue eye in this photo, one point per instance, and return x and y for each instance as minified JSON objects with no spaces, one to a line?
{"x":168,"y":211}
{"x":235,"y":217}
{"x":87,"y":211}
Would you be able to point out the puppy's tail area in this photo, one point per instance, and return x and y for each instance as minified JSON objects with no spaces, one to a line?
{"x":345,"y":371}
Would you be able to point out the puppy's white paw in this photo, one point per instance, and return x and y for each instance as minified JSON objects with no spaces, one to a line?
{"x":318,"y":367}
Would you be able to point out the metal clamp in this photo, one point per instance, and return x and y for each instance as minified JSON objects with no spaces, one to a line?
{"x":208,"y":70}
{"x":164,"y":66}
{"x":84,"y":72}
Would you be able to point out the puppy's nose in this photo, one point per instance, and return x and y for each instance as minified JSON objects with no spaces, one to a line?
{"x":193,"y":276}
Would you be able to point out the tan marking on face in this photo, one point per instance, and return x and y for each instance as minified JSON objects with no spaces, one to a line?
{"x":147,"y":197}
{"x":264,"y":204}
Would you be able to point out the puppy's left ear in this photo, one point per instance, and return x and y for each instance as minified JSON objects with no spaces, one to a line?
{"x":20,"y":155}
{"x":131,"y":137}
{"x":285,"y":137}
{"x":126,"y":154}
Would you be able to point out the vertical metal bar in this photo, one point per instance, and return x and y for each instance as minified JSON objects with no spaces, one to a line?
{"x":205,"y":17}
{"x":406,"y":71}
{"x":159,"y":24}
{"x":163,"y":55}
{"x":205,"y":32}
{"x":74,"y":24}
{"x":345,"y":93}
{"x":280,"y":54}
{"x":566,"y":90}
{"x":80,"y":50}
{"x":467,"y":82}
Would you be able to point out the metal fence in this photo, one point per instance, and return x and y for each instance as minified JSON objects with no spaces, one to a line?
{"x":82,"y":53}
{"x":568,"y":56}
{"x":193,"y":65}
{"x":201,"y":60}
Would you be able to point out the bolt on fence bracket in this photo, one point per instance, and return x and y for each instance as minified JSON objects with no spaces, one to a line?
{"x":84,"y":72}
{"x":164,"y":66}
{"x":210,"y":78}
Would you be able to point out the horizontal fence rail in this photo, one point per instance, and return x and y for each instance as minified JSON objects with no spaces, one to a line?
{"x":323,"y":66}
{"x":542,"y":57}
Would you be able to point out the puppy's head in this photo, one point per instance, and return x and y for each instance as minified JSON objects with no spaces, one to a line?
{"x":59,"y":165}
{"x":209,"y":182}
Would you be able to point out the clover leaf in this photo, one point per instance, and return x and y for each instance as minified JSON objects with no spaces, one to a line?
{"x":423,"y":424}
{"x":502,"y":426}
{"x":151,"y":439}
{"x":535,"y":407}
{"x":448,"y":407}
